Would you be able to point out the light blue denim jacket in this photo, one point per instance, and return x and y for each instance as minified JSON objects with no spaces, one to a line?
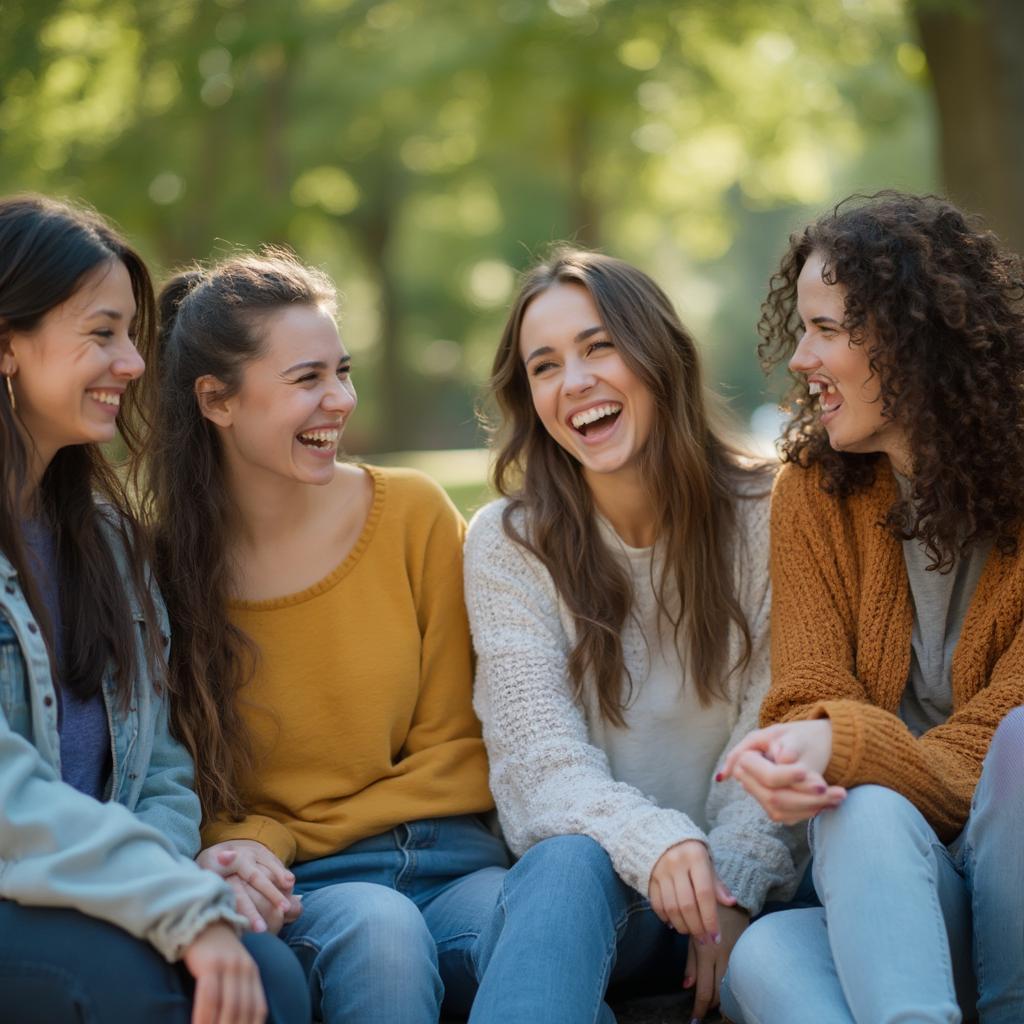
{"x":129,"y":860}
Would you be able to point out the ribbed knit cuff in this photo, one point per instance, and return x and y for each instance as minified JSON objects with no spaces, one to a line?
{"x":847,"y":740}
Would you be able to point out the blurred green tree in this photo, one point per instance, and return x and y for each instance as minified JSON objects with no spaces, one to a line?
{"x":424,"y":151}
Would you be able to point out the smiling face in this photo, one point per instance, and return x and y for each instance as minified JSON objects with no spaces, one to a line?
{"x":590,"y":402}
{"x":838,"y":372}
{"x":70,"y":372}
{"x":287,"y":417}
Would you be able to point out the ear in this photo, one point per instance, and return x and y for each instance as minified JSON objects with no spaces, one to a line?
{"x":8,"y":364}
{"x":213,"y":403}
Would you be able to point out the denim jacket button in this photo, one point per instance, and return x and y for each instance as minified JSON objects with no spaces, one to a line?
{"x":33,"y":628}
{"x":9,"y":588}
{"x":48,"y":700}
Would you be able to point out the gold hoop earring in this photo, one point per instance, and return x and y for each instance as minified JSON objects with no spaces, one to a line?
{"x":10,"y":392}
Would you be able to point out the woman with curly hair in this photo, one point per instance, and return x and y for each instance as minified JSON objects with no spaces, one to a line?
{"x":897,"y":647}
{"x":618,"y":596}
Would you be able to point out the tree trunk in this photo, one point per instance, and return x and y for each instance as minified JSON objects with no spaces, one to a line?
{"x":974,"y":54}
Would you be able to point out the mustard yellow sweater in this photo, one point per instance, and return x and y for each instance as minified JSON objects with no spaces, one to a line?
{"x":360,"y":708}
{"x":841,"y":623}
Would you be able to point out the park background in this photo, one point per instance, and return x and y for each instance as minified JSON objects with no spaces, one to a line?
{"x":424,"y":152}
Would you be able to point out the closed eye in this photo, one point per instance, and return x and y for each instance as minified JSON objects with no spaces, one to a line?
{"x":594,"y":345}
{"x":539,"y":367}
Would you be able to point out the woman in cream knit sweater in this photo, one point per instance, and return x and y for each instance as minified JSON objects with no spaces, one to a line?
{"x":897,"y":647}
{"x":618,"y":599}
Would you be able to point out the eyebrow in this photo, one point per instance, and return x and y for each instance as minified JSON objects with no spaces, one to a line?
{"x":825,"y":320}
{"x":112,"y":314}
{"x":316,"y":364}
{"x":546,"y":350}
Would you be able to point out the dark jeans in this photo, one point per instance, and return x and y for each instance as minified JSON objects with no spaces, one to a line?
{"x":61,"y":967}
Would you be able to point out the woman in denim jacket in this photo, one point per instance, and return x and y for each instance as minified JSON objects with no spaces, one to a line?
{"x":99,"y":896}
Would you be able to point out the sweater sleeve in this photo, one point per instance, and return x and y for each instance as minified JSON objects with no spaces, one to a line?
{"x":752,"y":854}
{"x":548,"y":779}
{"x":814,"y":632}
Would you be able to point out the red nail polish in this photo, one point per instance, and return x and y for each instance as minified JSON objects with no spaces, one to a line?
{"x":719,"y":776}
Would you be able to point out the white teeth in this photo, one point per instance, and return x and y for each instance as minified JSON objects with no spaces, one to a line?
{"x":831,"y":389}
{"x":325,"y":437}
{"x":581,"y":419}
{"x":814,"y":388}
{"x":107,"y":397}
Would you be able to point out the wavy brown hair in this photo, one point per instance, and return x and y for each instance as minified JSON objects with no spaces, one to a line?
{"x":693,"y":475}
{"x":48,"y":249}
{"x":938,"y":302}
{"x":211,"y":324}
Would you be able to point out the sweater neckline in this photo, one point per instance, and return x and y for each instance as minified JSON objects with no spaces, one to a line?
{"x":340,"y":571}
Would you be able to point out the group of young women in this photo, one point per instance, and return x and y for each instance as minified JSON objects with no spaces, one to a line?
{"x":242,"y":770}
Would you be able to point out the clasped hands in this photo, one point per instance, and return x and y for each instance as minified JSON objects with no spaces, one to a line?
{"x":263,"y":885}
{"x":783,"y":768}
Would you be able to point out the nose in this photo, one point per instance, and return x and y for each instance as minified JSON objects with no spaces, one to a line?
{"x":577,"y":378}
{"x":128,"y":364}
{"x":804,"y":358}
{"x":339,"y":396}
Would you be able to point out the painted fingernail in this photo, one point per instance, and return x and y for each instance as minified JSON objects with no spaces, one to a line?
{"x":717,"y":939}
{"x":687,"y":981}
{"x":259,"y":926}
{"x":821,"y":789}
{"x":719,"y":776}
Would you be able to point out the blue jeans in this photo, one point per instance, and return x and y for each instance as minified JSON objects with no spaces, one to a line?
{"x":58,"y":965}
{"x":566,"y":926}
{"x":909,"y":930}
{"x":388,"y":925}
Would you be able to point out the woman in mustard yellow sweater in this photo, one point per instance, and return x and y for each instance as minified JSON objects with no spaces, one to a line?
{"x":897,"y":641}
{"x":321,"y":651}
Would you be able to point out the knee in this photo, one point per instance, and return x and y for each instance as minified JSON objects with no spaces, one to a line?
{"x":867,"y":813}
{"x":568,"y":860}
{"x":379,"y":926}
{"x":759,"y":960}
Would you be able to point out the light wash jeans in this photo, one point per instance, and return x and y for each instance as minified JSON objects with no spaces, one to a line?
{"x":909,"y":930}
{"x":388,"y":925}
{"x":565,"y":927}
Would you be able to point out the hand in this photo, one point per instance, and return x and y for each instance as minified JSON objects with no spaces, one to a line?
{"x":261,"y":914}
{"x":228,"y":988}
{"x":706,"y":962}
{"x":783,"y":767}
{"x":263,"y":885}
{"x":684,"y":890}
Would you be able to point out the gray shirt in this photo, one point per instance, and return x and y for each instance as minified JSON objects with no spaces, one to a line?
{"x":941,"y":600}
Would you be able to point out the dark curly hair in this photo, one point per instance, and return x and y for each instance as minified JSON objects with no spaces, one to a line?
{"x":938,"y":302}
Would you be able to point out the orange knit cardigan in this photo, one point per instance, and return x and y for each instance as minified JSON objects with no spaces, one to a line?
{"x":841,"y":622}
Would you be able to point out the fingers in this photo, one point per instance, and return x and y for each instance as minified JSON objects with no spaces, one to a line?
{"x":206,"y":999}
{"x":232,"y":997}
{"x":769,"y":774}
{"x":723,"y":894}
{"x":690,"y":974}
{"x":703,"y":882}
{"x":294,"y":909}
{"x":705,"y":982}
{"x":244,"y":904}
{"x":758,"y":740}
{"x":255,"y":876}
{"x":790,"y":806}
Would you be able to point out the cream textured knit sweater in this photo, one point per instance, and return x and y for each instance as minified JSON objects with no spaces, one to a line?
{"x":548,"y":775}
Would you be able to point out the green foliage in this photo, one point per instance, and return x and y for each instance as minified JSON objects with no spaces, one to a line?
{"x":424,"y":150}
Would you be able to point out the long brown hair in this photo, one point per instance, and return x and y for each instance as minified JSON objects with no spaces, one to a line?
{"x":693,"y":476}
{"x":941,"y":305}
{"x":46,"y":249}
{"x":211,"y":324}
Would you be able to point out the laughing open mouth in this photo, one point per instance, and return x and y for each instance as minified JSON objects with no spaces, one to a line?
{"x":598,"y":417}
